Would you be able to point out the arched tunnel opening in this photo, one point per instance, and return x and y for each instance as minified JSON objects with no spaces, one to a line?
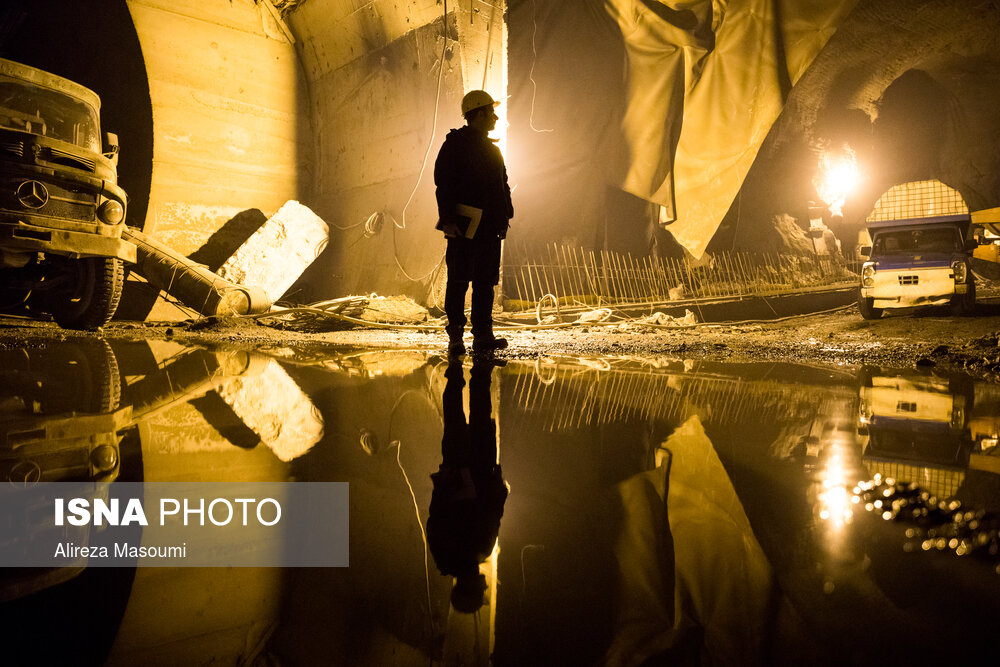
{"x":95,"y":45}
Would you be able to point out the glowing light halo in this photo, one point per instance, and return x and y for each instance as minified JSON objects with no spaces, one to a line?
{"x":838,"y":176}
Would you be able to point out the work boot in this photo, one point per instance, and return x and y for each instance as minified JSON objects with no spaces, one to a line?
{"x":487,"y":344}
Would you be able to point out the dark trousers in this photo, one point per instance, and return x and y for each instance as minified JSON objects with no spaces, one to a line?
{"x":473,"y":443}
{"x":482,"y":309}
{"x":475,"y":261}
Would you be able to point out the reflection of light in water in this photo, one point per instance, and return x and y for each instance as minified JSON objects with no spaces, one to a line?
{"x":489,"y":570}
{"x":834,"y":507}
{"x":834,"y":500}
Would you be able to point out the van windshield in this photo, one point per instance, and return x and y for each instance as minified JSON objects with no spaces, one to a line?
{"x":916,"y":241}
{"x":49,"y":113}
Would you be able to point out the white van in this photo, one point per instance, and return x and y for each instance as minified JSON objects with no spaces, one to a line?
{"x":920,"y":253}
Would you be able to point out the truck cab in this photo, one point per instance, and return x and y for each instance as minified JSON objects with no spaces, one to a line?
{"x":62,"y":212}
{"x":920,"y":252}
{"x":918,"y":263}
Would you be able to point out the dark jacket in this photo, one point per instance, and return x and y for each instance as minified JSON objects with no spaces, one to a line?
{"x":470,"y":170}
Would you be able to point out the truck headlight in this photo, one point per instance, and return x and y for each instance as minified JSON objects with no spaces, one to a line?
{"x":959,"y":269}
{"x":868,"y":275}
{"x":111,"y":212}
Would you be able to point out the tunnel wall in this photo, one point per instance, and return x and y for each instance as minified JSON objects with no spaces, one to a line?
{"x":373,"y":70}
{"x":229,"y":123}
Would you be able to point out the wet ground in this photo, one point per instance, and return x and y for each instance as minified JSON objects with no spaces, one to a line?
{"x":928,"y":337}
{"x":648,"y":507}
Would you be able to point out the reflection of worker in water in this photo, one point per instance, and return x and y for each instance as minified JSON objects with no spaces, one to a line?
{"x":469,"y":490}
{"x":474,"y":209}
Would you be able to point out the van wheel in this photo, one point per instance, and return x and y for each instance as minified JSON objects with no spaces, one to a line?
{"x":965,"y":304}
{"x":89,"y":301}
{"x":868,"y":311}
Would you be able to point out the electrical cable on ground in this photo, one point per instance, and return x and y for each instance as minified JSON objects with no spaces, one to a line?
{"x":505,"y":325}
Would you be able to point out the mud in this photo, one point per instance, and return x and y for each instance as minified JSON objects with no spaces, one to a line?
{"x":928,"y":337}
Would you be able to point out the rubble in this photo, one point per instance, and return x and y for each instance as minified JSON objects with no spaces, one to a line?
{"x":662,"y":319}
{"x":396,"y":309}
{"x":842,"y":339}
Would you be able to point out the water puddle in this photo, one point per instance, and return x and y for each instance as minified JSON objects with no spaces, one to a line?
{"x":564,"y":511}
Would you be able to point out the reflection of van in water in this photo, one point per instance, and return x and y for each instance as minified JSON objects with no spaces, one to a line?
{"x":920,"y":255}
{"x":61,"y":211}
{"x":917,"y":427}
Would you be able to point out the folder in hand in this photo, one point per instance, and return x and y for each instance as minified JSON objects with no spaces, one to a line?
{"x":468,"y":218}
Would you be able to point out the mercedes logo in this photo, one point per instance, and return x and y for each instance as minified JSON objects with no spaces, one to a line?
{"x":32,"y":194}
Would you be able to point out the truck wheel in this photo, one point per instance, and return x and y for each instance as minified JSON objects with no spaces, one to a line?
{"x":83,"y":377}
{"x":868,"y":311}
{"x":93,"y":297}
{"x":965,"y":304}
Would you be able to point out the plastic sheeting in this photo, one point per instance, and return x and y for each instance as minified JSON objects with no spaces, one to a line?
{"x":691,"y":570}
{"x":703,"y":83}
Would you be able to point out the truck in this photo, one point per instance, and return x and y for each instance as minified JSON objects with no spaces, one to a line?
{"x":62,"y":212}
{"x":921,"y":252}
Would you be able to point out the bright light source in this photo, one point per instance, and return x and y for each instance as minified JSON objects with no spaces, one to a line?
{"x":838,"y":176}
{"x":500,"y":131}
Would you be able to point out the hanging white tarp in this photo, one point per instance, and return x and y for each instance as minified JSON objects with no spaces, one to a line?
{"x":706,"y":80}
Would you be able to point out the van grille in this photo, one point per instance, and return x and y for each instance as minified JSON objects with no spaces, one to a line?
{"x":909,"y":280}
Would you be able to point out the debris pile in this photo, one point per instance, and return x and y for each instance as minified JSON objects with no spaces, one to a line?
{"x":660,"y":318}
{"x":348,"y":312}
{"x":393,"y":310}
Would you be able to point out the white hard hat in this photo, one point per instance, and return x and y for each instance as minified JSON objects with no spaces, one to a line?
{"x":475,"y":99}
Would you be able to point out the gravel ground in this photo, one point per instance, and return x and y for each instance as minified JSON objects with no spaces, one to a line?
{"x":929,"y":337}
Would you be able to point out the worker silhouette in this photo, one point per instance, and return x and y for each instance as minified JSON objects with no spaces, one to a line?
{"x":474,"y":212}
{"x":469,"y":489}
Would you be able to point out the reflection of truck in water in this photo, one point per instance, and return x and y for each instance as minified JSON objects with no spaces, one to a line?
{"x":60,"y":414}
{"x":920,"y":253}
{"x":918,"y":424}
{"x":61,"y":211}
{"x":61,"y":420}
